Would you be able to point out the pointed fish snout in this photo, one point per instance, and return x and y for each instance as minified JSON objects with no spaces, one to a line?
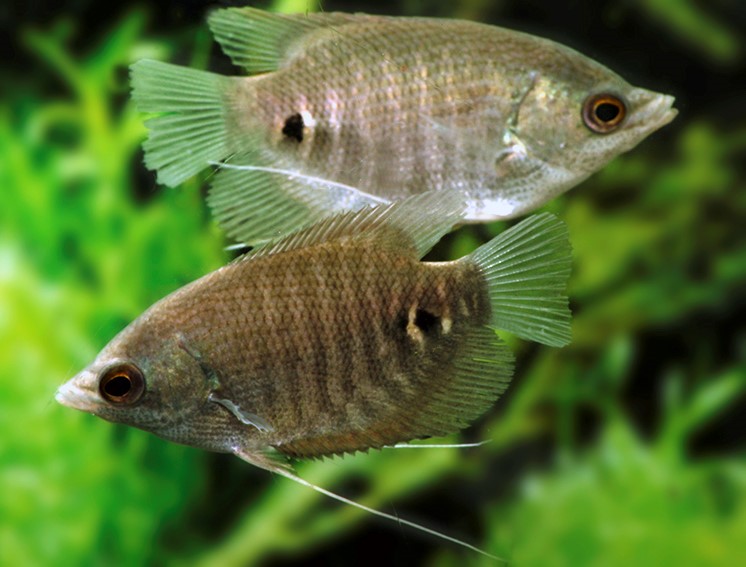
{"x":76,"y":395}
{"x":665,"y":110}
{"x":656,"y":109}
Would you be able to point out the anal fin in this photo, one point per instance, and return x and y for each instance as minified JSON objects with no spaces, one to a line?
{"x":255,"y":199}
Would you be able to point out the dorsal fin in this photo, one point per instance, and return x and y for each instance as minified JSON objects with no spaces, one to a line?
{"x":261,"y":41}
{"x":417,"y":222}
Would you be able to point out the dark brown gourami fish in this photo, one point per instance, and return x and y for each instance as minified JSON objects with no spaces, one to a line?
{"x":346,"y":110}
{"x":336,"y":338}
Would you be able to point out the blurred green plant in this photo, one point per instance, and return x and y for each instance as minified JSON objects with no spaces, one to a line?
{"x":79,"y":257}
{"x":628,"y":502}
{"x":695,"y":25}
{"x":82,"y":253}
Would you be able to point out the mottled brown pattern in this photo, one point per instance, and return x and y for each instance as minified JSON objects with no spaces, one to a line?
{"x":324,"y":357}
{"x":337,"y":337}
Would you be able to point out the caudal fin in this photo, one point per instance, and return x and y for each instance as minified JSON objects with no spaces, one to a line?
{"x":527,"y":268}
{"x":190,"y":129}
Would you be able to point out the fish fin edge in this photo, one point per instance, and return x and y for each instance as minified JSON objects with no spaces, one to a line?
{"x":526,"y":269}
{"x":261,"y":41}
{"x":416,"y":223}
{"x":255,"y":201}
{"x":191,"y":126}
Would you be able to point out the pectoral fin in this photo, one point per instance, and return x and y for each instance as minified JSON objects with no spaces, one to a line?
{"x":515,"y":160}
{"x":243,"y":415}
{"x":213,"y":381}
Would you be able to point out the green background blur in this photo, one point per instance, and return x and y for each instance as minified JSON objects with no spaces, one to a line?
{"x":625,"y":448}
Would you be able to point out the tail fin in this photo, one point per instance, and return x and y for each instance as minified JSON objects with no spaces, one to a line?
{"x":527,"y":268}
{"x":191,"y":129}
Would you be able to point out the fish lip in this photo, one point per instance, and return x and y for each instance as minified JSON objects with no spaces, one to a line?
{"x":658,"y":112}
{"x":665,"y":110}
{"x":70,"y":394}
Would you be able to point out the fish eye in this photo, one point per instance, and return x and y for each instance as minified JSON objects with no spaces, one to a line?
{"x":603,"y":113}
{"x":122,"y":384}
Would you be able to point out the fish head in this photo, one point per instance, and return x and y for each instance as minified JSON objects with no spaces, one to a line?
{"x":583,"y":130}
{"x":571,"y":118}
{"x":144,"y":378}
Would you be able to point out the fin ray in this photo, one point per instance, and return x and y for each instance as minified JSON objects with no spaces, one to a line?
{"x":417,"y":222}
{"x":254,"y":202}
{"x":261,"y":41}
{"x":190,"y":128}
{"x":295,"y":478}
{"x":535,"y":252}
{"x":437,"y":445}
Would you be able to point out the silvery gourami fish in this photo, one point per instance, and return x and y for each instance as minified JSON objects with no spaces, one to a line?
{"x":344,"y":110}
{"x":335,"y":338}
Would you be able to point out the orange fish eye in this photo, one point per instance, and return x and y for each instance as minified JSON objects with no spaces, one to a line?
{"x":603,"y":113}
{"x":122,"y":384}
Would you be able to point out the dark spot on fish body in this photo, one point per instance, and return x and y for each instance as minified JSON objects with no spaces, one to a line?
{"x":293,"y":127}
{"x":427,"y":322}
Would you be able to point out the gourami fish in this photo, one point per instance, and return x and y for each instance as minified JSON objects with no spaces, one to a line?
{"x":344,"y":110}
{"x":336,"y":339}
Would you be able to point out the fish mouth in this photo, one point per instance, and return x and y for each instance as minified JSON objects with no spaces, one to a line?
{"x":658,"y":112}
{"x":664,"y":110}
{"x":73,"y":395}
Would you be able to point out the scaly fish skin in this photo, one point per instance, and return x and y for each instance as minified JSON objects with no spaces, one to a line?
{"x":398,"y":106}
{"x":315,"y":341}
{"x":336,"y":338}
{"x":357,"y":109}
